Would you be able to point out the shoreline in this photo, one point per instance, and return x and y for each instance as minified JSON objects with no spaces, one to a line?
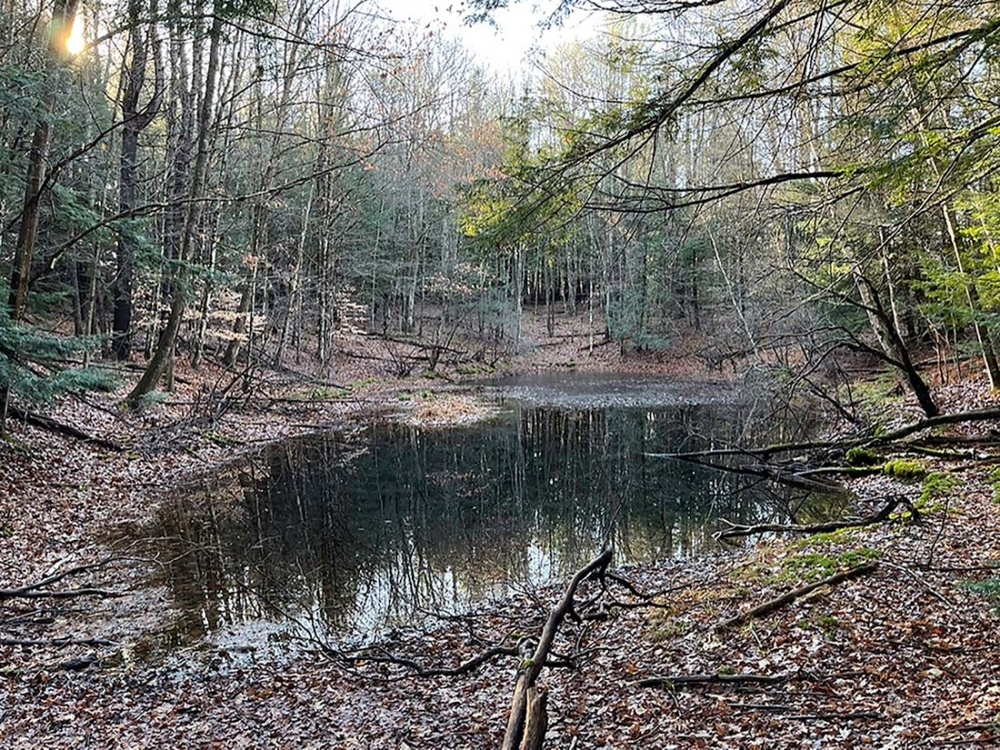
{"x":844,"y":630}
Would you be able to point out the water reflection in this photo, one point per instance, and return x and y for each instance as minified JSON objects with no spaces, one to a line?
{"x":348,"y":534}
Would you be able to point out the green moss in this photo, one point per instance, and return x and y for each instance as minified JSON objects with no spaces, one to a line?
{"x":904,"y":469}
{"x":995,"y":483}
{"x":878,"y":400}
{"x":663,"y":631}
{"x":840,"y":536}
{"x":324,"y":393}
{"x":936,"y":484}
{"x":989,"y":588}
{"x":826,"y":624}
{"x":815,"y":566}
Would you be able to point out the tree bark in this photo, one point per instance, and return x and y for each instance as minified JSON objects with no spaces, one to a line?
{"x":537,"y":719}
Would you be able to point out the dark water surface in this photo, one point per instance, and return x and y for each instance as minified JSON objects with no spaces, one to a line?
{"x":347,"y":534}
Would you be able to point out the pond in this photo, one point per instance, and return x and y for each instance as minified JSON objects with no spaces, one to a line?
{"x":344,"y":535}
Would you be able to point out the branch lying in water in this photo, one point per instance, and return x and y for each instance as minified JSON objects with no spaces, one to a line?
{"x":768,"y":451}
{"x":738,"y":530}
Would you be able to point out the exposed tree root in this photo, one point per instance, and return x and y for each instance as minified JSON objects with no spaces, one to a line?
{"x":790,"y":596}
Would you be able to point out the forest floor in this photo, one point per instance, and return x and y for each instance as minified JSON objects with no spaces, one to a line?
{"x":903,"y":655}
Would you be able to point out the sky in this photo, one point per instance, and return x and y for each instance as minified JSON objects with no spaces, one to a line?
{"x":506,"y":48}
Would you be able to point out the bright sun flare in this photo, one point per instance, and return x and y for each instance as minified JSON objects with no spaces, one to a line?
{"x":75,"y":41}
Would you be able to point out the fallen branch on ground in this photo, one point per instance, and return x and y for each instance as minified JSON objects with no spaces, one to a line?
{"x":852,"y":716}
{"x":791,"y":596}
{"x":673,"y":681}
{"x":527,"y":711}
{"x":793,"y":478}
{"x":414,"y":667}
{"x":32,"y":590}
{"x":422,"y":671}
{"x":890,"y":437}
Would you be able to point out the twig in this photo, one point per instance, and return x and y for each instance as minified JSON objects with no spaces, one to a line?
{"x":759,"y":707}
{"x":416,"y":667}
{"x":937,"y":538}
{"x":678,"y":680}
{"x":872,"y":715}
{"x":934,"y":592}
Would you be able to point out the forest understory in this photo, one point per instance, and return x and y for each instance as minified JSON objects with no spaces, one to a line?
{"x":712,"y":652}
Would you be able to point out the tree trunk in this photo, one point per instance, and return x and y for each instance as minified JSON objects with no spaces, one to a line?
{"x":168,"y":337}
{"x":134,"y":121}
{"x":892,"y":343}
{"x":63,"y":16}
{"x":975,"y":308}
{"x":519,"y":719}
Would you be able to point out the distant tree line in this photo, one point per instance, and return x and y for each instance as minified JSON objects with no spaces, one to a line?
{"x":239,"y":180}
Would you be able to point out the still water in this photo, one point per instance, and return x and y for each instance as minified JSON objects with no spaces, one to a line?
{"x":346,"y":534}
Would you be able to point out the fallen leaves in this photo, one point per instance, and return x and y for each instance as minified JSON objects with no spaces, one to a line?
{"x":904,"y":658}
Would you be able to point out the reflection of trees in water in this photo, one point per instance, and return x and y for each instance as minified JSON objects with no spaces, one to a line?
{"x":359,"y":531}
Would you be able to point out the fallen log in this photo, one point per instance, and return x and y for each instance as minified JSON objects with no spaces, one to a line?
{"x":516,"y":736}
{"x":788,"y":597}
{"x":739,"y":530}
{"x":60,"y":428}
